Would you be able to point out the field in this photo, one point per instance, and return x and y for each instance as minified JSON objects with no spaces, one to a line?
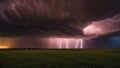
{"x":89,"y":58}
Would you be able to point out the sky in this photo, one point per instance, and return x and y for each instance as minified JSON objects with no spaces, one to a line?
{"x":59,"y":23}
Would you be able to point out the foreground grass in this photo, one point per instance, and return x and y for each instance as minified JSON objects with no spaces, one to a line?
{"x":60,"y":58}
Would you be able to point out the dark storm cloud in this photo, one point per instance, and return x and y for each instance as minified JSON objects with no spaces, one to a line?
{"x":52,"y":17}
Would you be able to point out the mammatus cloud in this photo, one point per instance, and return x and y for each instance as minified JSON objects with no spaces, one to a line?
{"x":59,"y":18}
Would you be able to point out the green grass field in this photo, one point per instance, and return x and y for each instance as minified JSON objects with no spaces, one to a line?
{"x":91,"y":58}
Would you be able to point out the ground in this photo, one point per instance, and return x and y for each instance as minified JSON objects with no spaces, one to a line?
{"x":87,"y":58}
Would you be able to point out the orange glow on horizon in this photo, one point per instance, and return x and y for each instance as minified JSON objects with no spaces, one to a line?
{"x":6,"y":43}
{"x":4,"y":47}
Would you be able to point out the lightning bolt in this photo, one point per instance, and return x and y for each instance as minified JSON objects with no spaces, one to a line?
{"x":79,"y":42}
{"x":66,"y":41}
{"x":81,"y":45}
{"x":60,"y":43}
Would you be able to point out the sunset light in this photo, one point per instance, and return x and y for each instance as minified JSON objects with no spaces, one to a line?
{"x":4,"y":47}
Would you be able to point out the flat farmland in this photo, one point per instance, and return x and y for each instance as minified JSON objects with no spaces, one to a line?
{"x":36,"y":58}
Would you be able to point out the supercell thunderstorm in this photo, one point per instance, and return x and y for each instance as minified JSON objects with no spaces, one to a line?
{"x":57,"y":24}
{"x":95,"y":29}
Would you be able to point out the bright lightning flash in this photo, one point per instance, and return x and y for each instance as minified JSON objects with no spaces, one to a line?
{"x":78,"y":43}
